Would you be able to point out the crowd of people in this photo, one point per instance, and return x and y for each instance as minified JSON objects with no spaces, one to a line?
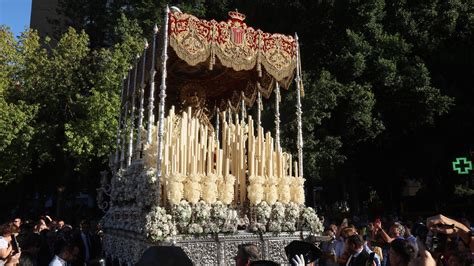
{"x":437,"y":241}
{"x":49,"y":242}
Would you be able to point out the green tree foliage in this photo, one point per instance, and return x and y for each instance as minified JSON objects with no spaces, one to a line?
{"x":16,"y":117}
{"x":59,"y":102}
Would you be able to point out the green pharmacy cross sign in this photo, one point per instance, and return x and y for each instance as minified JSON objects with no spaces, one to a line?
{"x":462,"y":165}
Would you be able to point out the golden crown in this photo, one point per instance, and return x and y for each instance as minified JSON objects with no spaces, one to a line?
{"x":236,"y":15}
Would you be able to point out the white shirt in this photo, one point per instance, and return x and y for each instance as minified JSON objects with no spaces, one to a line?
{"x":376,"y":256}
{"x":3,"y":242}
{"x":57,"y":261}
{"x":3,"y":245}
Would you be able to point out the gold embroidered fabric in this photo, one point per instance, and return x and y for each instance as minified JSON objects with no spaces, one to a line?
{"x":233,"y":43}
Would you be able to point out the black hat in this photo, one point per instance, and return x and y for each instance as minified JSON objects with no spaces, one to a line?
{"x":164,"y":255}
{"x":309,"y":251}
{"x":263,"y":263}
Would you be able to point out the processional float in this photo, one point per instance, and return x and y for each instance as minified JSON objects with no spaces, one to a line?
{"x":197,"y":171}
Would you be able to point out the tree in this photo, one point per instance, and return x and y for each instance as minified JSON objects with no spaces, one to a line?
{"x":15,"y":116}
{"x":63,"y":104}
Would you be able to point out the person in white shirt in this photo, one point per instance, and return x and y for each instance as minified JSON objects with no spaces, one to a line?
{"x":65,"y":253}
{"x":8,"y":256}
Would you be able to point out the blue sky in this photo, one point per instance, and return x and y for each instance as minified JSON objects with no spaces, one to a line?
{"x":15,"y":14}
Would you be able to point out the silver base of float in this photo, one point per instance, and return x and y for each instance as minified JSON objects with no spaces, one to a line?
{"x":127,"y":247}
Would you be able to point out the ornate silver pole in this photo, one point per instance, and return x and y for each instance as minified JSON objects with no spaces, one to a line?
{"x":230,"y":112}
{"x":299,"y":112}
{"x":161,"y":108}
{"x":120,"y":124}
{"x":132,"y":116}
{"x":217,"y":123}
{"x":125,"y":123}
{"x":141,"y":110}
{"x":242,"y":106}
{"x":277,"y":114}
{"x":259,"y":108}
{"x":151,"y":98}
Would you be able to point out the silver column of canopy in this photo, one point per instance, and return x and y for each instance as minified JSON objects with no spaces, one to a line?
{"x":299,"y":112}
{"x":229,"y":109}
{"x":151,"y":98}
{"x":132,"y":116}
{"x":259,"y":108}
{"x":277,"y":114}
{"x":141,"y":111}
{"x":217,"y":123}
{"x":161,"y":108}
{"x":119,"y":126}
{"x":242,"y":106}
{"x":125,"y":122}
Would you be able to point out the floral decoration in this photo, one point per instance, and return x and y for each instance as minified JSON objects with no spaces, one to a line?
{"x":255,"y":191}
{"x":159,"y":225}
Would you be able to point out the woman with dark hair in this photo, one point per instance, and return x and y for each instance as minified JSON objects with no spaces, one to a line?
{"x":401,"y":252}
{"x":8,"y":254}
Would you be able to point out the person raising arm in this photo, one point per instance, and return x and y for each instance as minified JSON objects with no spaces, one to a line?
{"x":396,"y":231}
{"x":442,"y":224}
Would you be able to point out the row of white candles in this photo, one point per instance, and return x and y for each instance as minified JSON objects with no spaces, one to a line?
{"x":190,"y":148}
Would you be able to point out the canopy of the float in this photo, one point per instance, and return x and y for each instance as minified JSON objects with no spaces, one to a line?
{"x":228,"y":60}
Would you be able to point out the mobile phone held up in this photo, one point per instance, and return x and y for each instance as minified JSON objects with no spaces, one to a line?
{"x":15,"y":246}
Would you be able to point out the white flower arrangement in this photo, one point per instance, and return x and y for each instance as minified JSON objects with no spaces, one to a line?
{"x":192,"y":188}
{"x":211,"y":228}
{"x":195,"y":229}
{"x":182,"y":214}
{"x":226,"y":189}
{"x":271,"y":190}
{"x":159,"y":225}
{"x":231,"y":222}
{"x":209,"y":188}
{"x":263,"y":211}
{"x":262,"y":214}
{"x":311,"y":221}
{"x":292,"y":211}
{"x":297,"y":190}
{"x":278,"y":212}
{"x":220,"y":212}
{"x":277,"y":217}
{"x":202,"y":211}
{"x":288,"y":226}
{"x":175,"y":189}
{"x":274,"y":226}
{"x":284,"y":193}
{"x":255,"y":191}
{"x":146,"y":186}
